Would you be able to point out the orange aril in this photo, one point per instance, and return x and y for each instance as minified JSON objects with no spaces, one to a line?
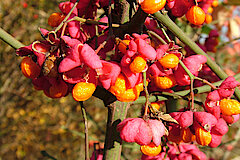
{"x":210,"y":10}
{"x":203,"y":137}
{"x":122,"y":45}
{"x":187,"y":135}
{"x":215,"y":3}
{"x":151,"y":149}
{"x":195,"y":15}
{"x":169,"y":61}
{"x":156,"y":105}
{"x":138,"y":64}
{"x":165,"y":82}
{"x":55,"y":19}
{"x":123,"y":93}
{"x":152,"y":6}
{"x":29,"y":68}
{"x":208,"y":18}
{"x":83,"y":91}
{"x":229,"y":107}
{"x":119,"y":87}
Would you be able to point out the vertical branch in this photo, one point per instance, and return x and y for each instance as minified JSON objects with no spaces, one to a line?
{"x":116,"y":113}
{"x":85,"y":130}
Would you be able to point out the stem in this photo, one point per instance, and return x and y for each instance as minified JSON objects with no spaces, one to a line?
{"x":157,"y":36}
{"x":167,"y":22}
{"x":89,"y":21}
{"x":66,"y":18}
{"x":191,"y":82}
{"x":10,"y":40}
{"x":198,"y":90}
{"x":146,"y":92}
{"x":116,"y":113}
{"x":85,"y":130}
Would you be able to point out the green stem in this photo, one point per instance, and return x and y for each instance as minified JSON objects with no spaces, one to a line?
{"x":113,"y":144}
{"x":85,"y":130}
{"x":10,"y":40}
{"x":66,"y":18}
{"x":146,"y":92}
{"x":167,"y":22}
{"x":151,"y":33}
{"x":177,"y":95}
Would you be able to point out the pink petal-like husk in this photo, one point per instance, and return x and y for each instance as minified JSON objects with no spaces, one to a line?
{"x":106,"y":83}
{"x":214,"y":96}
{"x":216,"y":140}
{"x":193,"y":63}
{"x":161,"y":50}
{"x":220,"y":128}
{"x":70,"y":42}
{"x":65,"y":7}
{"x":214,"y":109}
{"x":132,"y":48}
{"x":186,"y":119}
{"x":70,"y":61}
{"x":224,"y":93}
{"x":130,"y":130}
{"x":229,"y":83}
{"x":184,"y":147}
{"x":145,"y":49}
{"x":126,"y":60}
{"x":204,"y":118}
{"x":74,"y":29}
{"x":185,"y":156}
{"x":123,"y":123}
{"x":24,"y":51}
{"x":74,"y":75}
{"x":197,"y":154}
{"x":156,"y":69}
{"x":89,"y":57}
{"x":158,"y":130}
{"x":144,"y":134}
{"x":131,"y":77}
{"x":41,"y":83}
{"x":231,"y":119}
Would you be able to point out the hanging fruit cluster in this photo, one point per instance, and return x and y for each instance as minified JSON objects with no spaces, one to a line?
{"x":74,"y":58}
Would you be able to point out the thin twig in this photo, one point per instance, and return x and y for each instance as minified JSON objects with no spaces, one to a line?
{"x":151,"y":33}
{"x":66,"y":18}
{"x":146,"y":92}
{"x":85,"y":130}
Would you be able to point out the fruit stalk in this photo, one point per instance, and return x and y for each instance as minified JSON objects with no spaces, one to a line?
{"x":85,"y":130}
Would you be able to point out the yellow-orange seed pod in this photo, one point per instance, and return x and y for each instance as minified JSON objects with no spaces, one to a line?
{"x":55,"y":19}
{"x":195,"y":15}
{"x":165,"y":82}
{"x":151,"y":149}
{"x":83,"y":91}
{"x":169,"y":61}
{"x":29,"y":68}
{"x":229,"y":107}
{"x":203,"y":137}
{"x":138,"y":64}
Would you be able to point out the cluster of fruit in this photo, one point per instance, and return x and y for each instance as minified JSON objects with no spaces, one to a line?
{"x":70,"y":60}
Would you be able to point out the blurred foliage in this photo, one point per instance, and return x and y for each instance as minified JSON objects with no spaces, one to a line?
{"x":32,"y":124}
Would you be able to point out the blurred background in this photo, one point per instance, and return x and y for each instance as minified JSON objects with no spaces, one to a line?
{"x":33,"y":126}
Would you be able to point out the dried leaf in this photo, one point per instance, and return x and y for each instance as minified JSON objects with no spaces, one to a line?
{"x":167,"y":117}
